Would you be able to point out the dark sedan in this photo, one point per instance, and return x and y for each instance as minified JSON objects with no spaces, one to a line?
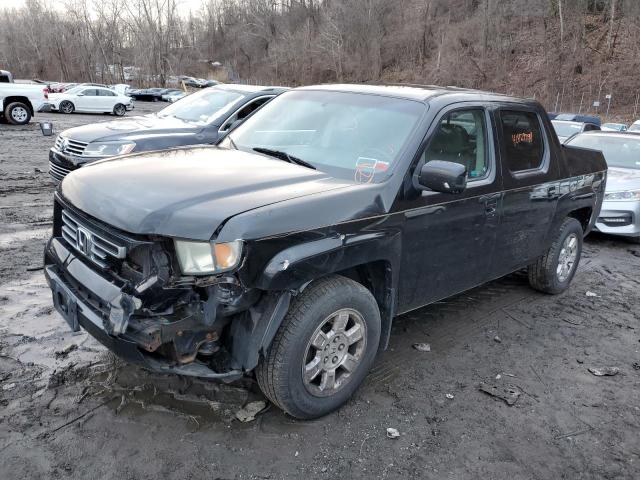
{"x":152,"y":94}
{"x":201,"y":118}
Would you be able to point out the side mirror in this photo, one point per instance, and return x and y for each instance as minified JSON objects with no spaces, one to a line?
{"x":441,"y":176}
{"x":81,"y":94}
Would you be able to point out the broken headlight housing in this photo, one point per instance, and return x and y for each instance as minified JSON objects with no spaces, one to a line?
{"x":206,"y":258}
{"x":108,"y":149}
{"x":622,"y":196}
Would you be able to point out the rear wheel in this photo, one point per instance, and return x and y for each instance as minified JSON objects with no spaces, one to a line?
{"x":323,"y":349}
{"x":17,"y":113}
{"x":119,"y":110}
{"x":67,"y":107}
{"x":553,"y":272}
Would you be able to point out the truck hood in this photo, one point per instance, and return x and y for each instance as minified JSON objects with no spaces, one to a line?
{"x":132,"y":128}
{"x":187,"y":192}
{"x":619,"y":179}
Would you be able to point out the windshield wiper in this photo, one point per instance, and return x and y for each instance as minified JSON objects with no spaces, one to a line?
{"x":284,"y":156}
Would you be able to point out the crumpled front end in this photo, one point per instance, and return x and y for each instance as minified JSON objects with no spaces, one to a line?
{"x":128,"y":292}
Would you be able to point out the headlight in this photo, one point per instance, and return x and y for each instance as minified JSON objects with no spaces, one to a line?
{"x":108,"y":149}
{"x":205,"y":258}
{"x":625,"y":195}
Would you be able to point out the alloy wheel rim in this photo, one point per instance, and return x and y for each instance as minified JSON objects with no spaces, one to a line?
{"x":66,"y":108}
{"x":567,"y":257}
{"x":19,"y":114}
{"x":119,"y":110}
{"x":334,"y":352}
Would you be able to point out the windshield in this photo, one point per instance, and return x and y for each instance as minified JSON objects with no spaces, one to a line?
{"x":202,"y":107}
{"x":618,"y":151}
{"x":566,"y":129}
{"x":347,"y":135}
{"x":635,"y":127}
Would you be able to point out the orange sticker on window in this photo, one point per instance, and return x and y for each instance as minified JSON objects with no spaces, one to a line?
{"x":518,"y":138}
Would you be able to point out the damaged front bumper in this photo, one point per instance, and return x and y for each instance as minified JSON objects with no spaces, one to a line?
{"x":77,"y":290}
{"x":128,"y":292}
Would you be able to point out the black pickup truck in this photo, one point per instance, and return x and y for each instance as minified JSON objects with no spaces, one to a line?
{"x":288,"y":249}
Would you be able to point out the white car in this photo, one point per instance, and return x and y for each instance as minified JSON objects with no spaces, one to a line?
{"x":91,"y":99}
{"x":635,"y":126}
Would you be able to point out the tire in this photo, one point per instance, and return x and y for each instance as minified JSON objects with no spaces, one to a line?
{"x":119,"y":110}
{"x":17,"y":113}
{"x":280,"y":374}
{"x":67,"y":107}
{"x":552,"y":273}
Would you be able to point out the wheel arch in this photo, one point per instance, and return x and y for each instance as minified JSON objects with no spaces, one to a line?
{"x":371,"y":259}
{"x":17,"y":98}
{"x":583,"y":215}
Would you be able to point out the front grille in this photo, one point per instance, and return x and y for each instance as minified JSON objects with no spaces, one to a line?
{"x":67,"y":145}
{"x":88,"y":242}
{"x":58,"y":172}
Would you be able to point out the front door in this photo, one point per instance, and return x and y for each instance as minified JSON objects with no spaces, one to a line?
{"x":448,"y":239}
{"x":87,"y":101}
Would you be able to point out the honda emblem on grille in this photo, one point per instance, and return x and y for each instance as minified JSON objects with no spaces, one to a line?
{"x":83,"y":240}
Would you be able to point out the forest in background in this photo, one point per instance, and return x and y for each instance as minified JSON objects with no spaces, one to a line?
{"x":565,"y":53}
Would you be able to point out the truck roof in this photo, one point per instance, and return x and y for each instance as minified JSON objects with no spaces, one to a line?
{"x":422,"y":93}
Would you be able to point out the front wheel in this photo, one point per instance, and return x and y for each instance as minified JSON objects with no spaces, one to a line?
{"x":323,"y":350}
{"x":553,"y":272}
{"x":67,"y":107}
{"x":119,"y":110}
{"x":17,"y":113}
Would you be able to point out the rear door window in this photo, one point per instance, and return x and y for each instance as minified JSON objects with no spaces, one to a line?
{"x":522,"y":140}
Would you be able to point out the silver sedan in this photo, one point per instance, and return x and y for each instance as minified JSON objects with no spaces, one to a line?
{"x":620,"y":214}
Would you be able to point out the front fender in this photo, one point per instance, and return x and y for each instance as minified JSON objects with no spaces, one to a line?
{"x":292,"y":268}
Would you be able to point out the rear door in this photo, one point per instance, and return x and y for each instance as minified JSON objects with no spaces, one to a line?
{"x":107,"y":99}
{"x":448,"y":239}
{"x":531,"y":188}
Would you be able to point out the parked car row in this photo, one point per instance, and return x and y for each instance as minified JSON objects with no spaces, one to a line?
{"x":297,"y":224}
{"x":197,"y":82}
{"x":567,"y":125}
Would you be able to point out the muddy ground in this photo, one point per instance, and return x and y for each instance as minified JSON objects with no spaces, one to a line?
{"x":83,"y":414}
